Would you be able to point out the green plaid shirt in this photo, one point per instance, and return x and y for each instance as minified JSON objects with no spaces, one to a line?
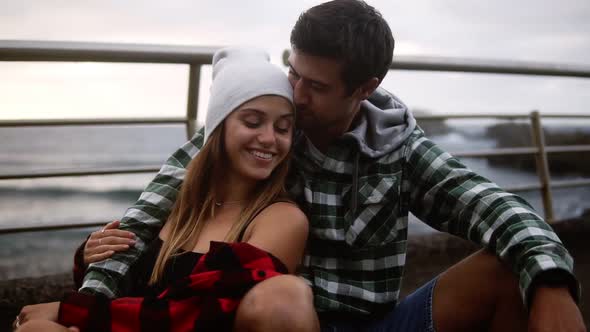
{"x":358,"y":211}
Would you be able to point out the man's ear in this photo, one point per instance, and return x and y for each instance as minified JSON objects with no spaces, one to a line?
{"x":367,"y":88}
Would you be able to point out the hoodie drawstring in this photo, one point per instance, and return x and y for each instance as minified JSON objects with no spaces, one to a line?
{"x":355,"y":175}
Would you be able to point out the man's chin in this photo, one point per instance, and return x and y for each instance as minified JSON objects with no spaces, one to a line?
{"x":301,"y":124}
{"x":306,"y":123}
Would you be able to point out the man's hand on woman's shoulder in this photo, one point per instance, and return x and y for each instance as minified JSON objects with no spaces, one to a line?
{"x":103,"y":243}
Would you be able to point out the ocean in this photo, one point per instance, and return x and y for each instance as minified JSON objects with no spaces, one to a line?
{"x":91,"y":199}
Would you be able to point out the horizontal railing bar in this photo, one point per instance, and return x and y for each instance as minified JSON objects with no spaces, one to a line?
{"x":124,"y":121}
{"x":554,"y":184}
{"x":522,"y":151}
{"x":31,"y":50}
{"x":496,"y":152}
{"x":567,"y":148}
{"x":180,"y":120}
{"x":570,"y":183}
{"x":96,"y":171}
{"x":523,"y":187}
{"x":34,"y":50}
{"x":472,"y":116}
{"x":148,"y":169}
{"x":91,"y":122}
{"x":497,"y":116}
{"x":486,"y":66}
{"x":566,"y":116}
{"x":10,"y":230}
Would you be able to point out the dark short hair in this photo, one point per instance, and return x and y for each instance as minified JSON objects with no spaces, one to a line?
{"x":350,"y":31}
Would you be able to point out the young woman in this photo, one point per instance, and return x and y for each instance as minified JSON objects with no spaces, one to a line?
{"x":231,"y":227}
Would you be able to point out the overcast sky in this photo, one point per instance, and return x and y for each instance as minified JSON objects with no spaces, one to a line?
{"x":529,"y":30}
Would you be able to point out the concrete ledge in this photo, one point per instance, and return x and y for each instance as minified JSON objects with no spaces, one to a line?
{"x":14,"y":294}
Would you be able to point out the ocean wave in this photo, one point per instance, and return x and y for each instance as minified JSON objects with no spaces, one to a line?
{"x":43,"y":192}
{"x":93,"y":183}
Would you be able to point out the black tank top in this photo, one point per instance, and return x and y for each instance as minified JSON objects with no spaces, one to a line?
{"x":177,"y":267}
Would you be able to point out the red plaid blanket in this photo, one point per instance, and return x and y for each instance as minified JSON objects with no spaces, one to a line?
{"x":206,"y":300}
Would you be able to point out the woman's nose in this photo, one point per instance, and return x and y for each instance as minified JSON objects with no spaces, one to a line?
{"x":266,"y":135}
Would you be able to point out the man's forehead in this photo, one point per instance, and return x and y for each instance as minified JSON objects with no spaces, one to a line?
{"x":315,"y":67}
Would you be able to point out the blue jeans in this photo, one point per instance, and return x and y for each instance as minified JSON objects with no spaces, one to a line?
{"x":414,"y":313}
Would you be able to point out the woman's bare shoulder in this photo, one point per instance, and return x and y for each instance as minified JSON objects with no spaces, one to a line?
{"x":278,"y":218}
{"x":281,"y":229}
{"x":282,"y":213}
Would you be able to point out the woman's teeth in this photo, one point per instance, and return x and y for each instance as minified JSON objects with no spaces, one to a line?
{"x":262,"y":154}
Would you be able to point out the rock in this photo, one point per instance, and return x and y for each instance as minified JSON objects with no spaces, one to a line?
{"x":14,"y":294}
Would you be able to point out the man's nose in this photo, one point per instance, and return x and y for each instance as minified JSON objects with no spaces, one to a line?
{"x":300,"y":93}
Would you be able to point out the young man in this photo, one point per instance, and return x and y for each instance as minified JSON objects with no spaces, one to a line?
{"x":361,"y":165}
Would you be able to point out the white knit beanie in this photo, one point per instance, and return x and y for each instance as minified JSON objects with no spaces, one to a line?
{"x":239,"y":75}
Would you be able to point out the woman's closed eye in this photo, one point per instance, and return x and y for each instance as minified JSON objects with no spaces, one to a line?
{"x":252,"y":121}
{"x":252,"y":124}
{"x":284,"y":126}
{"x":255,"y":119}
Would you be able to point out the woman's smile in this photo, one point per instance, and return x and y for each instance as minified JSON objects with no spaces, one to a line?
{"x":262,"y":155}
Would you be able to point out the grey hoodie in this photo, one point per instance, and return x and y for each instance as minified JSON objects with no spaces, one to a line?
{"x":385,"y":123}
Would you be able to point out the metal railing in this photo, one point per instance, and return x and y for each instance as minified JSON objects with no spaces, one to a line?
{"x":538,"y":149}
{"x":195,"y":57}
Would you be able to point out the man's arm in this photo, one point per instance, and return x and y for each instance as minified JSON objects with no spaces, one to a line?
{"x":145,"y":219}
{"x":452,"y":198}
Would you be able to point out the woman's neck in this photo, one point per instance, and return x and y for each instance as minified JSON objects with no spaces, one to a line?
{"x":235,"y":189}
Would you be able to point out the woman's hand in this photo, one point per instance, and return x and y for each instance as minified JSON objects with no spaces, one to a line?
{"x":42,"y":316}
{"x":104,"y":243}
{"x":41,"y":311}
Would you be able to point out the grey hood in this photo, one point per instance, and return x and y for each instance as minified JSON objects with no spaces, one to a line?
{"x":384,"y":124}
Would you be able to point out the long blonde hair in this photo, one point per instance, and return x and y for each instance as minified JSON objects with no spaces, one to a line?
{"x":196,"y":201}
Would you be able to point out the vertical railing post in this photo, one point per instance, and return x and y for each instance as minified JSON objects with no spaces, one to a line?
{"x":192,"y":107}
{"x":542,"y":165}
